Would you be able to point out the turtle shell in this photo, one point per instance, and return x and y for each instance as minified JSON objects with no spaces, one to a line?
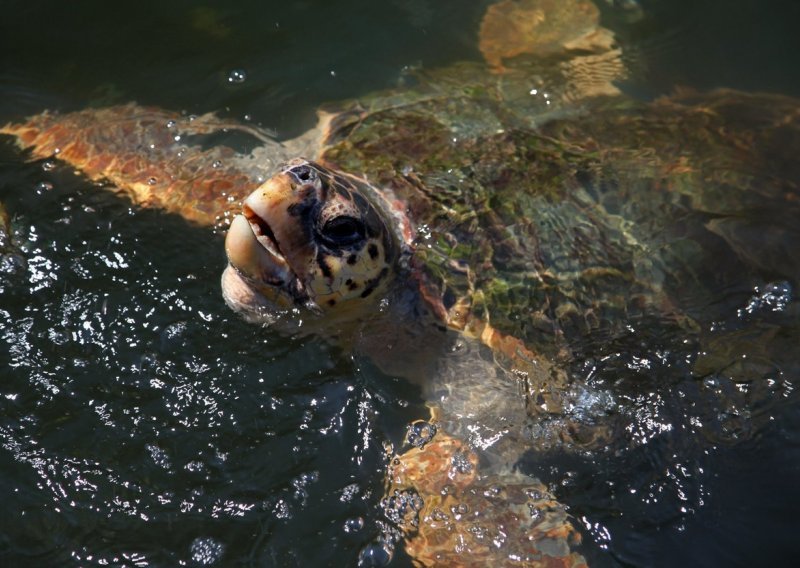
{"x":587,"y":222}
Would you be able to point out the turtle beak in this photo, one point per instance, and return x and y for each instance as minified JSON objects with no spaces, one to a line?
{"x":267,"y":248}
{"x":253,"y":254}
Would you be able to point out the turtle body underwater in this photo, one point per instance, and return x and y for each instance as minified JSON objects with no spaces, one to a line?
{"x":478,"y":232}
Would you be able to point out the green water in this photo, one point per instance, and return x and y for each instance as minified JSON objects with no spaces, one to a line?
{"x":144,"y":424}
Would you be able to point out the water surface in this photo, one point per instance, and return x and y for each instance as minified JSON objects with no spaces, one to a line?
{"x":144,"y":424}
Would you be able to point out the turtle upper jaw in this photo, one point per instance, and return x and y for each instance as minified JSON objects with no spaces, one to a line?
{"x":264,"y":235}
{"x":251,"y":248}
{"x":258,"y":272}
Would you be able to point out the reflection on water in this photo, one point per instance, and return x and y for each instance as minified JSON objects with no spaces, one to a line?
{"x":143,"y":424}
{"x":143,"y":421}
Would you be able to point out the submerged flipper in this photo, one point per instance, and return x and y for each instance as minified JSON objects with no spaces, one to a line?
{"x":159,"y":158}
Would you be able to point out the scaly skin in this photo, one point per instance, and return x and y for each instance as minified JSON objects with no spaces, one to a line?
{"x":456,"y":516}
{"x":134,"y":148}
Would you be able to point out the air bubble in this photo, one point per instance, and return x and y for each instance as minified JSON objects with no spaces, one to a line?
{"x":171,"y":124}
{"x":461,"y":463}
{"x":377,"y":553}
{"x":216,"y":164}
{"x":237,"y":76}
{"x":353,"y":525}
{"x":479,"y":531}
{"x":420,"y":433}
{"x":43,"y":186}
{"x":459,"y":509}
{"x":152,"y":181}
{"x":48,"y":165}
{"x":534,"y":494}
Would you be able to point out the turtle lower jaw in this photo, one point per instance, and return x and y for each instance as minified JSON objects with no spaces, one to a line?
{"x":257,"y":272}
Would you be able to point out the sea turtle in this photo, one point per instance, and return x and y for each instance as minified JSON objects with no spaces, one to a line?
{"x":476,"y":231}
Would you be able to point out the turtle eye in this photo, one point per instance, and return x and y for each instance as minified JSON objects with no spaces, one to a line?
{"x":342,"y":231}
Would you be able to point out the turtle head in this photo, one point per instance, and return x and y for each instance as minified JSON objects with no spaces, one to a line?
{"x":309,"y":237}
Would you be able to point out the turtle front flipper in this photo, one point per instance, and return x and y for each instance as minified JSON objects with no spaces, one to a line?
{"x":151,"y":154}
{"x":452,"y":513}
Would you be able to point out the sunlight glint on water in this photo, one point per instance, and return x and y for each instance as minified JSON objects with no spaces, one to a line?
{"x":144,"y":424}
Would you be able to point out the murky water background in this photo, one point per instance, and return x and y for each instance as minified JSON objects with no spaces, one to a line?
{"x":143,"y":424}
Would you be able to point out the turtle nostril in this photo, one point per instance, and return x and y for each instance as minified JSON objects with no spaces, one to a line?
{"x":303,"y":174}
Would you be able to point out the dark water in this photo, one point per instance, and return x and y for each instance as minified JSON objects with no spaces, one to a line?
{"x":143,"y":424}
